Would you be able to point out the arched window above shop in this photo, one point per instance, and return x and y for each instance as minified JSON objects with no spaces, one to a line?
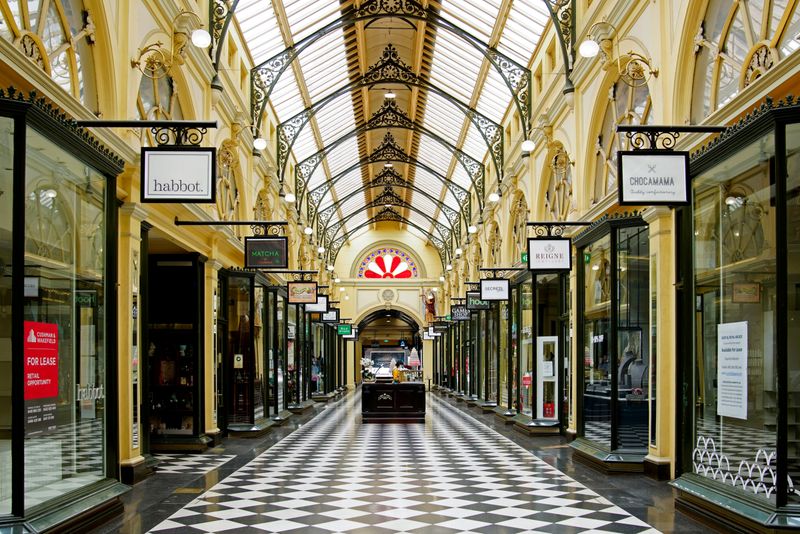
{"x":559,"y":200}
{"x":57,"y":36}
{"x":736,"y":43}
{"x":626,"y":105}
{"x":157,"y":100}
{"x":228,"y":171}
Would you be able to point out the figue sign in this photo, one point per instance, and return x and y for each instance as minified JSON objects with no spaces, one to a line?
{"x":302,"y":292}
{"x":549,"y":254}
{"x":179,"y":174}
{"x":494,"y":289}
{"x":653,"y":177}
{"x":266,"y":252}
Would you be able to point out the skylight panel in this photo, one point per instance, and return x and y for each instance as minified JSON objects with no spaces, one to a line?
{"x":475,"y":16}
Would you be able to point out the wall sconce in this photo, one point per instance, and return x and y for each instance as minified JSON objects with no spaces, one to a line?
{"x":155,"y":61}
{"x":634,"y":69}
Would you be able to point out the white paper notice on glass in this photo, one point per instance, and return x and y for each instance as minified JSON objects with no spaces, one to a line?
{"x":547,"y":369}
{"x":732,"y":370}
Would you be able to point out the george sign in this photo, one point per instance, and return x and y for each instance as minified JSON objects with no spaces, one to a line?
{"x":549,"y":254}
{"x":653,"y":177}
{"x":302,"y":292}
{"x":732,"y":370}
{"x":40,"y":388}
{"x":320,"y":306}
{"x":330,"y":316}
{"x":266,"y":252}
{"x":179,"y":174}
{"x":460,"y":313}
{"x":474,"y":301}
{"x":344,"y":329}
{"x":494,"y":289}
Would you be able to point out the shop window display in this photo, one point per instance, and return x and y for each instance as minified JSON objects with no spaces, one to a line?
{"x":527,"y":350}
{"x":6,"y":209}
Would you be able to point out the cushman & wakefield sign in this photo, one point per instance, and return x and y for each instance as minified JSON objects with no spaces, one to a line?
{"x":179,"y":174}
{"x":549,"y":254}
{"x":265,"y":252}
{"x":494,"y":289}
{"x":653,"y":177}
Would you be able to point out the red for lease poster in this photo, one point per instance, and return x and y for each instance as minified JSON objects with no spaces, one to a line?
{"x":41,"y":360}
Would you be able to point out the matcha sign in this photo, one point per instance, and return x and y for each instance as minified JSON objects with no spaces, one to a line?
{"x":265,"y":252}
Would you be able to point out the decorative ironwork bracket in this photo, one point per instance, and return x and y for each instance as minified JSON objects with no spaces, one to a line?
{"x":652,"y":137}
{"x":259,"y":228}
{"x":220,"y":16}
{"x":177,"y":133}
{"x":562,"y":12}
{"x":553,"y":229}
{"x":499,"y":272}
{"x":298,"y":275}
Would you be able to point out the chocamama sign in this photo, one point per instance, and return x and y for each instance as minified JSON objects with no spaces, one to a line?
{"x":653,"y":177}
{"x":179,"y":174}
{"x":549,"y":254}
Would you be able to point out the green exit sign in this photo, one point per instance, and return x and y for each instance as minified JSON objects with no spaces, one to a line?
{"x":524,"y":257}
{"x":446,"y":317}
{"x":344,"y":329}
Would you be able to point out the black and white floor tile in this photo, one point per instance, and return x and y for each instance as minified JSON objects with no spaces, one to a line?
{"x":193,"y":464}
{"x":451,"y":474}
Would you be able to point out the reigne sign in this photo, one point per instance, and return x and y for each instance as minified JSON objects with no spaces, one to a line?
{"x":653,"y":177}
{"x":549,"y":254}
{"x":179,"y":174}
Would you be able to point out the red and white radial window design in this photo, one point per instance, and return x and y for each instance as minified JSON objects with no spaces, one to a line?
{"x":388,"y":263}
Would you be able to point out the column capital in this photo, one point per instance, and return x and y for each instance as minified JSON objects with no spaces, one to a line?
{"x":654,"y":213}
{"x":134,"y":211}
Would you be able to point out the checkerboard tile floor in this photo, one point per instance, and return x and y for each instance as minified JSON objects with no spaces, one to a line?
{"x":193,"y":464}
{"x":451,"y":474}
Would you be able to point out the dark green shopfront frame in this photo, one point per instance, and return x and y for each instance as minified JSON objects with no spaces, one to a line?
{"x":95,"y":503}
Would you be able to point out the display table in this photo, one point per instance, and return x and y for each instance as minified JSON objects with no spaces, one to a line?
{"x":393,"y":403}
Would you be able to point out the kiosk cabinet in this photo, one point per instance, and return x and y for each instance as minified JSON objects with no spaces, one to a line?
{"x":387,"y":403}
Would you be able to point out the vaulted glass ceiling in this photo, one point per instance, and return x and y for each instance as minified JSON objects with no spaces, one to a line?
{"x":456,"y":73}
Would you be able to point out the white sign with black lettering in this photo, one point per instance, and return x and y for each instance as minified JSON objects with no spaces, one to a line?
{"x":494,"y":289}
{"x":549,"y":254}
{"x":732,"y":370}
{"x":179,"y":174}
{"x":653,"y":177}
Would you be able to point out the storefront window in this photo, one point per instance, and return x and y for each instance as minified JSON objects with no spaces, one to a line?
{"x":6,"y":209}
{"x":492,"y":352}
{"x":526,"y":362}
{"x":735,"y":294}
{"x":793,"y":298}
{"x":280,"y":348}
{"x":514,"y":347}
{"x":65,"y":317}
{"x":502,"y":353}
{"x":596,"y":354}
{"x":239,"y":350}
{"x":259,"y":385}
{"x":292,"y":360}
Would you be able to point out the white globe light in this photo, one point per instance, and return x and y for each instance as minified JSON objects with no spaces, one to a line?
{"x":589,"y":48}
{"x":290,"y":198}
{"x":472,"y":229}
{"x":388,"y":165}
{"x":201,"y":38}
{"x":259,"y":143}
{"x":341,"y":290}
{"x":347,"y":297}
{"x":449,"y":267}
{"x":389,"y":94}
{"x":441,"y":278}
{"x":337,"y":280}
{"x":308,"y":230}
{"x":527,"y":146}
{"x":330,"y":267}
{"x":459,"y":252}
{"x":320,"y":249}
{"x":434,"y":289}
{"x":494,"y":197}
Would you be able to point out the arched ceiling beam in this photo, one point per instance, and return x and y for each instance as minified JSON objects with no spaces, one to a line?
{"x":264,"y":76}
{"x":390,"y":116}
{"x":389,"y":69}
{"x":382,"y":314}
{"x":388,"y":151}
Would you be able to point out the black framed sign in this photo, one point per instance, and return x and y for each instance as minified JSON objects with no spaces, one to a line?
{"x":459,"y":313}
{"x":302,"y":292}
{"x":266,"y":252}
{"x":320,"y":306}
{"x":179,"y":174}
{"x":475,"y":303}
{"x":494,"y":289}
{"x":433,"y":333}
{"x":352,"y":335}
{"x":549,"y":254}
{"x":330,"y":316}
{"x":653,"y":177}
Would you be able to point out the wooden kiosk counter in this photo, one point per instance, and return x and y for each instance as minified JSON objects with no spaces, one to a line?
{"x":393,"y":403}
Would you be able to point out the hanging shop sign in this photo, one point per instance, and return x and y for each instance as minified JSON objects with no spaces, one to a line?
{"x":549,"y":254}
{"x":266,"y":252}
{"x":732,"y":370}
{"x":351,"y":335}
{"x":475,"y":303}
{"x":433,"y":333}
{"x":653,"y":177}
{"x":40,"y":388}
{"x":179,"y":174}
{"x":426,"y":336}
{"x":460,"y":313}
{"x":302,"y":292}
{"x":320,"y":306}
{"x":494,"y":289}
{"x":344,"y":329}
{"x":330,"y":316}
